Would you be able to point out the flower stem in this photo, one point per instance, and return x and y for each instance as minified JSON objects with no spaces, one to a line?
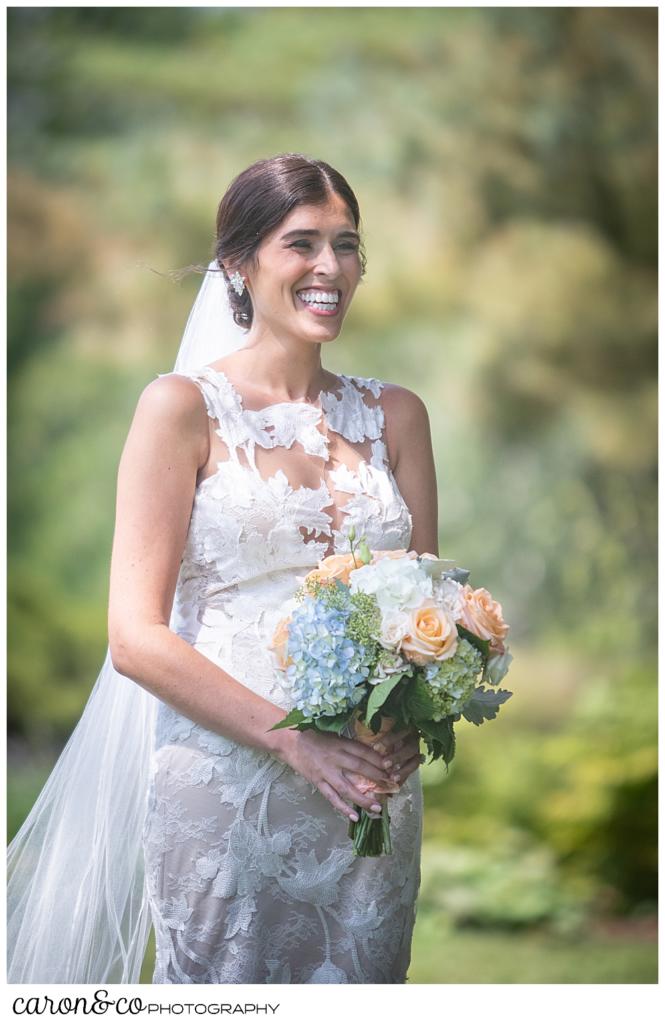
{"x":371,"y":836}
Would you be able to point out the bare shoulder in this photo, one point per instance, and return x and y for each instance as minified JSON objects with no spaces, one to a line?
{"x":172,"y":407}
{"x":175,"y":396}
{"x":406,"y":422}
{"x":403,"y":405}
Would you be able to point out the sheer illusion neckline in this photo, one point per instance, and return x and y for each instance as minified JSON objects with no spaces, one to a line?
{"x":297,"y":402}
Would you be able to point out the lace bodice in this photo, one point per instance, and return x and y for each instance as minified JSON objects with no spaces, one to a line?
{"x":291,"y":479}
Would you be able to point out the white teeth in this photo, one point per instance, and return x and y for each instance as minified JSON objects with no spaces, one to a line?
{"x":320,"y":297}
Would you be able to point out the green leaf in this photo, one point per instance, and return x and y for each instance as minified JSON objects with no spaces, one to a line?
{"x":333,"y":723}
{"x":294,"y":718}
{"x":482,"y":645}
{"x":484,"y":704}
{"x":379,"y":694}
{"x":434,"y":748}
{"x":418,"y":703}
{"x":443,"y":735}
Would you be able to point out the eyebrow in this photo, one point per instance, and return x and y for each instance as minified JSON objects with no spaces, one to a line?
{"x":313,"y":231}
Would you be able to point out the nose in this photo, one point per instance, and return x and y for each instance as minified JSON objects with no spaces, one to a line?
{"x":327,"y":262}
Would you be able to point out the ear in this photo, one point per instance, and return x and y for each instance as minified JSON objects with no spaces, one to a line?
{"x":237,"y":268}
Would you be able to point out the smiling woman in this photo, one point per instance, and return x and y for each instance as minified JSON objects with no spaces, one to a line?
{"x":238,"y":476}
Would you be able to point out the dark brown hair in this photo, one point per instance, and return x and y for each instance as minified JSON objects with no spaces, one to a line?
{"x":259,"y":199}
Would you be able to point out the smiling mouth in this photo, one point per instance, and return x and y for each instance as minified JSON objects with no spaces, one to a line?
{"x":320,"y":302}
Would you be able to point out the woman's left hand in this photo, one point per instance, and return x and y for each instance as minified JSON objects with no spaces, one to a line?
{"x":402,"y":748}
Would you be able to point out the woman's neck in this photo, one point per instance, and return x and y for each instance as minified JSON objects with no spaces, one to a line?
{"x":289,"y":371}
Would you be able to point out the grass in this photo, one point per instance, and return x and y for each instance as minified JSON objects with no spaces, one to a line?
{"x":441,"y":955}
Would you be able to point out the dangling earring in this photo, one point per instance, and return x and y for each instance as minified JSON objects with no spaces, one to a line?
{"x":237,"y":282}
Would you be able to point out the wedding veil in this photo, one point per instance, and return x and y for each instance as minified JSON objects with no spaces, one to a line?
{"x":77,"y":907}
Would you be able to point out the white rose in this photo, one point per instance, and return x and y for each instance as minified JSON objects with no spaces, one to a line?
{"x":394,"y":627}
{"x":397,"y":583}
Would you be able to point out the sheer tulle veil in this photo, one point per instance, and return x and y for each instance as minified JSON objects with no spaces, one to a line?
{"x":77,"y":909}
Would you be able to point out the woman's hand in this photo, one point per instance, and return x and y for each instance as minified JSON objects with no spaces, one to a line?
{"x":324,"y":759}
{"x":402,"y":750}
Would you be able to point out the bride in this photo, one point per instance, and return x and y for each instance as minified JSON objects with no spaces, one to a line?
{"x":173,"y":803}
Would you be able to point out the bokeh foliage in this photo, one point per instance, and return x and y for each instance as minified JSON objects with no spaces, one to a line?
{"x":505,"y":162}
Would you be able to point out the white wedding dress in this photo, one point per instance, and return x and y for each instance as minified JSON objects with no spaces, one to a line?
{"x":250,"y":872}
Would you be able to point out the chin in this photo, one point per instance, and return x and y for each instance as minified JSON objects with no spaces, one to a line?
{"x":328,"y":337}
{"x":323,"y":334}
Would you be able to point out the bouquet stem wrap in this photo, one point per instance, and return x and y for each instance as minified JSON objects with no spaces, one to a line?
{"x":371,"y":833}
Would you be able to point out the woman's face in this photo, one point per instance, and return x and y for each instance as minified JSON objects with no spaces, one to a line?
{"x":307,"y":272}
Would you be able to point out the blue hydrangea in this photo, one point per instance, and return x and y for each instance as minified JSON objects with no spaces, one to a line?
{"x":328,"y":671}
{"x":451,"y":682}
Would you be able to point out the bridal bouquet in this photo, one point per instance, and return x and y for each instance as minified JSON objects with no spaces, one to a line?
{"x":377,"y":639}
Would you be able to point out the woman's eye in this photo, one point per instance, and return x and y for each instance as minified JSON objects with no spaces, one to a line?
{"x":347,"y":246}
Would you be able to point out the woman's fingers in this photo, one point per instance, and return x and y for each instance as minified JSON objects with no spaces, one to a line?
{"x":402,"y":744}
{"x":391,"y":742}
{"x":347,"y":789}
{"x":410,"y":748}
{"x":360,"y":758}
{"x":347,"y":768}
{"x":338,"y":803}
{"x":365,"y":753}
{"x":407,"y":769}
{"x":384,"y":744}
{"x":340,"y":791}
{"x":350,"y":762}
{"x":372,"y":798}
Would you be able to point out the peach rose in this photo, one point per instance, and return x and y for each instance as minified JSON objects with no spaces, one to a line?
{"x":482,"y":615}
{"x":432,"y":635}
{"x":334,"y":567}
{"x":279,"y":642}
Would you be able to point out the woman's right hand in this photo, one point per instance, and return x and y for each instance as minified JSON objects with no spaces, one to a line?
{"x":324,"y":760}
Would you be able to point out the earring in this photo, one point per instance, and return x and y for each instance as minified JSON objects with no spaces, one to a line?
{"x":237,"y":282}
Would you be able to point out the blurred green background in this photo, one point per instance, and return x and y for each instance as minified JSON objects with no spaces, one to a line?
{"x":505,"y":162}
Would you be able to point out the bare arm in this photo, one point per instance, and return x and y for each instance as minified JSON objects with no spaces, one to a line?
{"x":167,"y":443}
{"x":409,"y":443}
